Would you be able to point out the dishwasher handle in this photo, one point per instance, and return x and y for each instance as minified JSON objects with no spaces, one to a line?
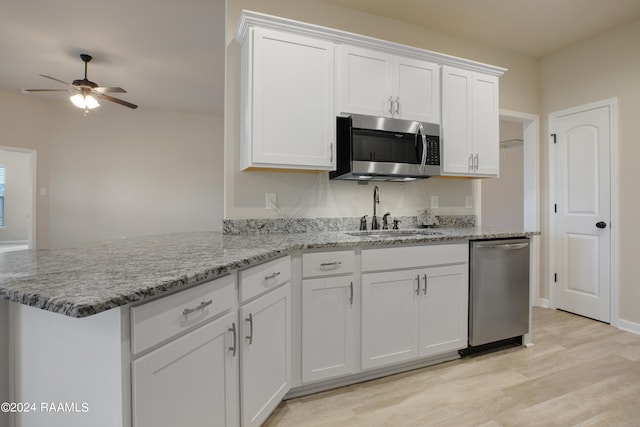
{"x":505,"y":246}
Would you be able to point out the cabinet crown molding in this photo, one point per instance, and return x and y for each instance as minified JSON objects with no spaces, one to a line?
{"x":249,"y":19}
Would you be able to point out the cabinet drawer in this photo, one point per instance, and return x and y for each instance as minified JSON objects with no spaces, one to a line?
{"x":159,"y":320}
{"x":327,"y":263}
{"x":259,"y":279}
{"x":414,"y":256}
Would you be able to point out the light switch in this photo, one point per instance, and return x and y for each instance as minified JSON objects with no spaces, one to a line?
{"x":271,"y":200}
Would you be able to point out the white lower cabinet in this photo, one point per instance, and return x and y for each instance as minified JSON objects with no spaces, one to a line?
{"x":444,"y":309}
{"x":389,"y":318}
{"x":190,"y":381}
{"x":329,"y":341}
{"x":265,"y":371}
{"x":185,"y":364}
{"x":220,"y":353}
{"x":412,"y":313}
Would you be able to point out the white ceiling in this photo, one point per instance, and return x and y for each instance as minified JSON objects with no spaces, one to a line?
{"x":169,"y":54}
{"x":531,"y":27}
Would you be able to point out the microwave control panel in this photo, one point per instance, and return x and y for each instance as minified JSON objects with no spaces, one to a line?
{"x":433,"y":150}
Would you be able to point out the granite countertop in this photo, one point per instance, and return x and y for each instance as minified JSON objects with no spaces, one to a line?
{"x":89,"y":279}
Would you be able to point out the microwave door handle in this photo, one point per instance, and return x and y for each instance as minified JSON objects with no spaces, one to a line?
{"x":423,"y":161}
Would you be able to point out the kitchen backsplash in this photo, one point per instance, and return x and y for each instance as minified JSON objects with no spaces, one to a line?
{"x":301,"y":225}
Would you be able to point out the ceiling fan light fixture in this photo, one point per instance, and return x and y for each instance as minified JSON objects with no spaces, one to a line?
{"x":86,"y":102}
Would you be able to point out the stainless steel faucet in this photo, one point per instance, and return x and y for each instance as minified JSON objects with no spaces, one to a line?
{"x":376,"y":200}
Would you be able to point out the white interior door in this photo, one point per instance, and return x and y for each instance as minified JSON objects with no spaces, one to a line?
{"x":583,"y":210}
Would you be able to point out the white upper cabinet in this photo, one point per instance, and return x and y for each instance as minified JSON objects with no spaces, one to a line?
{"x":287,"y":101}
{"x":470,"y":123}
{"x":297,"y":77}
{"x":379,"y":84}
{"x":486,"y":124}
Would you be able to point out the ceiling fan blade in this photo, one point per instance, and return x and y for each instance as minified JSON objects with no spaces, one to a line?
{"x":109,"y":90}
{"x":45,"y":90}
{"x":118,"y":101}
{"x":58,"y":80}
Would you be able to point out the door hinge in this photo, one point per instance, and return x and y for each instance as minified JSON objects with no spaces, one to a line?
{"x":553,"y":135}
{"x":555,"y":277}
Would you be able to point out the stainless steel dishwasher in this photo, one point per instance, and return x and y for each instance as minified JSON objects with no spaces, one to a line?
{"x":499,"y":290}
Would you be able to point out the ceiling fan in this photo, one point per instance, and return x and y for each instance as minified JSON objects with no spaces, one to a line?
{"x":87,"y":92}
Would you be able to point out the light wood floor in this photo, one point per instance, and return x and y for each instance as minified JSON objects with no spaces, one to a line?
{"x":580,"y":372}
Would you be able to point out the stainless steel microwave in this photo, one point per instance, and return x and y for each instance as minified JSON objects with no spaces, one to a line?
{"x":385,"y":149}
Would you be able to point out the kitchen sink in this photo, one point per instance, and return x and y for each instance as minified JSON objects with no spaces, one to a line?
{"x":390,"y":234}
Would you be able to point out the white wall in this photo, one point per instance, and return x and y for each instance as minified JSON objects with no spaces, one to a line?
{"x":245,"y":191}
{"x":17,"y":193}
{"x":122,"y":173}
{"x":603,"y":67}
{"x":117,"y":172}
{"x":503,"y":197}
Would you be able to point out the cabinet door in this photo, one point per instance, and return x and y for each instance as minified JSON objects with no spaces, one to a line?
{"x":457,"y":105}
{"x":443,"y":309}
{"x":328,"y":322}
{"x":486,"y":124}
{"x":364,"y":82}
{"x":266,"y":354}
{"x":289,"y":99}
{"x":192,"y":380}
{"x":389,"y":318}
{"x":417,"y":87}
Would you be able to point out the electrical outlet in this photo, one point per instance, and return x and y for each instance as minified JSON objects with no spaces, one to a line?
{"x":435,"y":202}
{"x":271,"y":200}
{"x":468,"y":201}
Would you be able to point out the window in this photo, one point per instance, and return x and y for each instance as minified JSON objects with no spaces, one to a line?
{"x":1,"y":195}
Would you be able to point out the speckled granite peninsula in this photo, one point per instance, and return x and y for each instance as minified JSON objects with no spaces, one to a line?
{"x":89,"y":279}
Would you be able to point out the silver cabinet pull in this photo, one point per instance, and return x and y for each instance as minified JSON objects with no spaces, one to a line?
{"x":202,"y":306}
{"x":470,"y":163}
{"x":351,"y":293}
{"x":418,"y":287}
{"x":425,"y":284}
{"x":271,"y":276}
{"x":330,"y":264}
{"x":390,"y":105}
{"x":250,"y":336}
{"x":331,"y":152}
{"x":475,"y":162}
{"x":233,"y":348}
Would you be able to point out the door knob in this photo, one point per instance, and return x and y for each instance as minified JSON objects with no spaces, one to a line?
{"x":601,"y":224}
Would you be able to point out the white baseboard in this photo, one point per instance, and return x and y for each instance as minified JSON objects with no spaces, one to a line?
{"x":542,"y":302}
{"x":629,"y":326}
{"x":14,"y":242}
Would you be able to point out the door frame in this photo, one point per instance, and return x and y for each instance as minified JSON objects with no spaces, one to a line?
{"x":612,"y":103}
{"x":31,"y":201}
{"x":531,"y":221}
